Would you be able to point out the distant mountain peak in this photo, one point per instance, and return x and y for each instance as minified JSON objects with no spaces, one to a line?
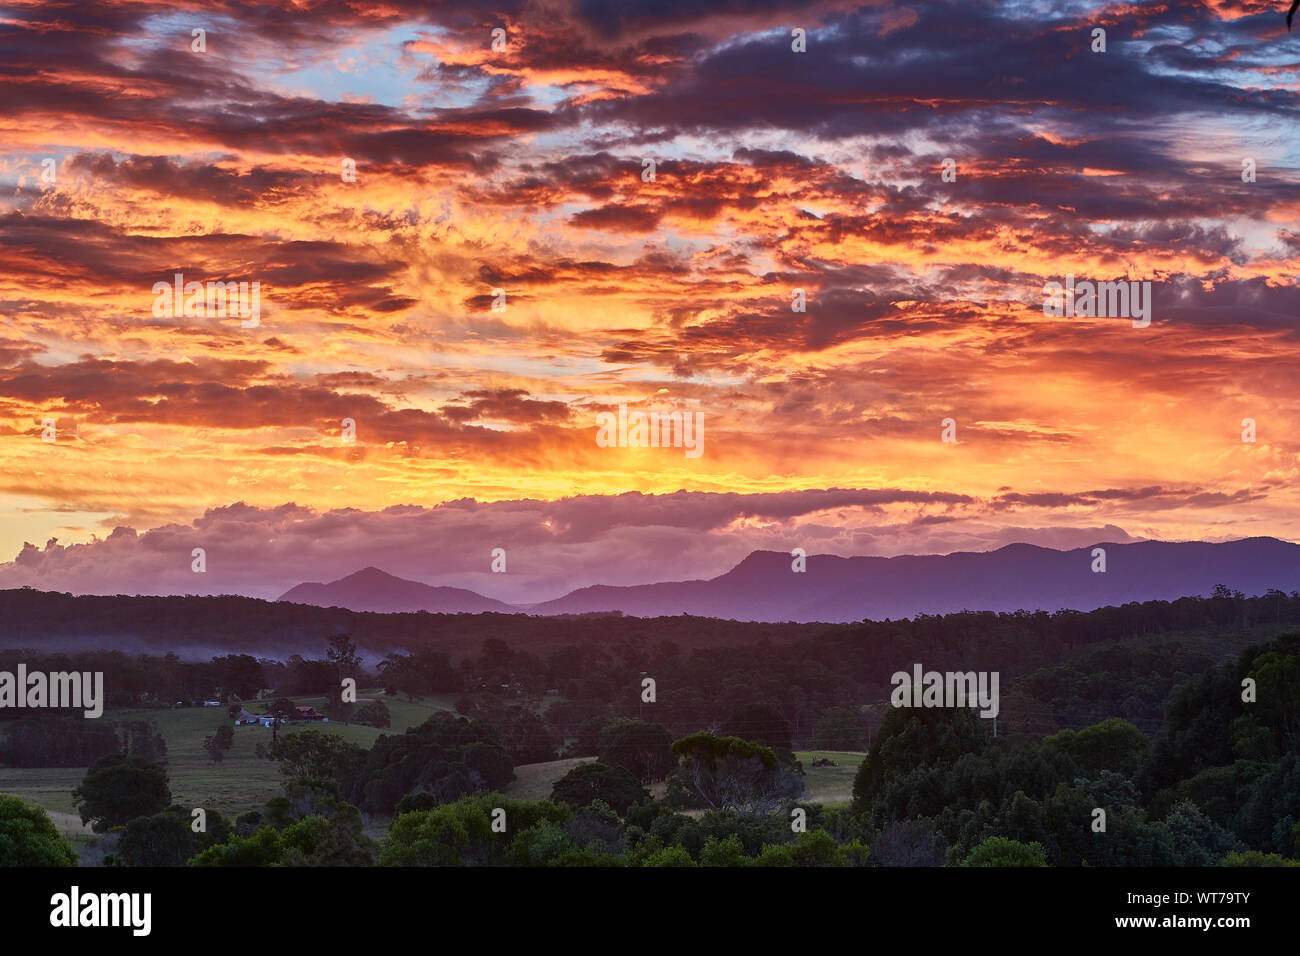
{"x":764,"y":586}
{"x":373,"y":589}
{"x":373,"y":572}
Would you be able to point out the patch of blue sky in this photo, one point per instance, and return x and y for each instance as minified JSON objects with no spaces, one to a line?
{"x":380,"y":69}
{"x":547,"y":147}
{"x":782,"y":36}
{"x":555,"y":217}
{"x":514,"y":364}
{"x":1223,"y":139}
{"x":168,"y":30}
{"x":29,"y":165}
{"x":552,"y":96}
{"x":373,"y":64}
{"x":1046,"y":10}
{"x":1209,"y":58}
{"x":1257,"y":237}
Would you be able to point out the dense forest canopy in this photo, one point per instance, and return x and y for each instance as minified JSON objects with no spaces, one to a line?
{"x":1137,"y":713}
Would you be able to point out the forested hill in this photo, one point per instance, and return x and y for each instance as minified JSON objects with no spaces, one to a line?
{"x":198,"y":627}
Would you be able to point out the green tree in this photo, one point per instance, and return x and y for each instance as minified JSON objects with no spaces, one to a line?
{"x":543,"y":844}
{"x":374,"y":714}
{"x":1256,"y":858}
{"x":336,"y":840}
{"x":761,"y":723}
{"x":448,"y":756}
{"x":237,"y":675}
{"x":524,"y":735}
{"x":1113,"y":744}
{"x":164,"y":839}
{"x":725,"y":852}
{"x":490,"y":762}
{"x":1278,"y":694}
{"x":119,"y":788}
{"x":1000,"y":851}
{"x":838,"y":728}
{"x":1251,"y":740}
{"x":28,"y":837}
{"x":641,"y":747}
{"x":617,"y":786}
{"x":587,"y":737}
{"x":1198,"y":840}
{"x":219,"y":743}
{"x":1218,"y":792}
{"x":1061,"y":822}
{"x":309,"y":753}
{"x":262,"y":848}
{"x":311,"y":841}
{"x":456,"y":834}
{"x":1266,"y":818}
{"x":730,"y":773}
{"x":460,"y":833}
{"x":419,"y":675}
{"x":342,"y":653}
{"x":909,"y":843}
{"x":810,"y":848}
{"x":141,"y":737}
{"x":912,"y":738}
{"x":669,"y":856}
{"x":54,"y":741}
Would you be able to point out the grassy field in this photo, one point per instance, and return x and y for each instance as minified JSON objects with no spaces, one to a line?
{"x":533,"y":781}
{"x":51,"y":787}
{"x":242,"y":781}
{"x":829,"y":784}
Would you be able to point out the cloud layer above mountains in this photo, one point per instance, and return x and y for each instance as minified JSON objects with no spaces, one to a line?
{"x":521,"y":170}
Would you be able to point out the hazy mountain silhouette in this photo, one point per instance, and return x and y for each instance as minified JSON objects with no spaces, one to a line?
{"x":371,"y":589}
{"x":764,"y":588}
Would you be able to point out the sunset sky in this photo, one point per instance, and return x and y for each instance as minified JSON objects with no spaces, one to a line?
{"x":522,"y":169}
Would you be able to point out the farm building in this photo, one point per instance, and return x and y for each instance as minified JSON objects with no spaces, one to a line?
{"x":267,"y":720}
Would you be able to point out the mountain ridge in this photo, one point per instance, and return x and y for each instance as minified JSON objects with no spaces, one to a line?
{"x":372,"y":589}
{"x":835,"y":589}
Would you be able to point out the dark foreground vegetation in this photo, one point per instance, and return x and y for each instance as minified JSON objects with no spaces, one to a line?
{"x":1148,"y":735}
